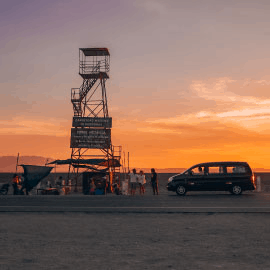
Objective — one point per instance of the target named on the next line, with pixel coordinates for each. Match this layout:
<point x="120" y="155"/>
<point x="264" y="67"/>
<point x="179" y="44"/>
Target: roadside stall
<point x="97" y="178"/>
<point x="94" y="183"/>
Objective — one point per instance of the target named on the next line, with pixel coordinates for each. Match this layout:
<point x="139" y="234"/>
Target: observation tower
<point x="92" y="149"/>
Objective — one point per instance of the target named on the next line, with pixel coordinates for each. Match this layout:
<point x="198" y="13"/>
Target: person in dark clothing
<point x="25" y="185"/>
<point x="116" y="189"/>
<point x="154" y="181"/>
<point x="15" y="181"/>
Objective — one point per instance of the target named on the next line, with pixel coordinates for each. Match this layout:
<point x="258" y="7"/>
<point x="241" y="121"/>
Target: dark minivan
<point x="234" y="177"/>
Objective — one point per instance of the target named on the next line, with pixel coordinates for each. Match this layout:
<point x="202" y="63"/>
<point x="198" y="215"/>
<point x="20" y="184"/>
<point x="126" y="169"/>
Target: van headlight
<point x="170" y="179"/>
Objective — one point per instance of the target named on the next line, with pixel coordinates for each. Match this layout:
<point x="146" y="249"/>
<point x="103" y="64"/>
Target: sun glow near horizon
<point x="230" y="129"/>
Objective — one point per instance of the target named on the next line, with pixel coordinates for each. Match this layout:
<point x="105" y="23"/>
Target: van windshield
<point x="186" y="171"/>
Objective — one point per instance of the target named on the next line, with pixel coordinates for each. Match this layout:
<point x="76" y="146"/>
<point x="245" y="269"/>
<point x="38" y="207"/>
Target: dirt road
<point x="134" y="241"/>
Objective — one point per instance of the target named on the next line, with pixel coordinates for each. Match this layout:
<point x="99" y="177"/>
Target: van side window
<point x="215" y="169"/>
<point x="197" y="171"/>
<point x="240" y="169"/>
<point x="236" y="169"/>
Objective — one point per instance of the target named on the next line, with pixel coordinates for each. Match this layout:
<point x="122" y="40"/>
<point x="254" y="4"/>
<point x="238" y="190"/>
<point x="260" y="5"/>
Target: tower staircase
<point x="78" y="94"/>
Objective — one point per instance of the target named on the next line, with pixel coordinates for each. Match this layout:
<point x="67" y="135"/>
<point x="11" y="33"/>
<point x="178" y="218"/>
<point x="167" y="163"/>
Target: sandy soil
<point x="134" y="241"/>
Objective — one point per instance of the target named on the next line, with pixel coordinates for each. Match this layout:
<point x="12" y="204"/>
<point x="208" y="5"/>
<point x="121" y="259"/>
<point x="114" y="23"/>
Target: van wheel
<point x="236" y="190"/>
<point x="181" y="190"/>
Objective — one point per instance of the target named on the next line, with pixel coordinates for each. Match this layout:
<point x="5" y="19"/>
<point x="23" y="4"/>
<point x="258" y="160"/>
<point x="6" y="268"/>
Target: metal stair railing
<point x="88" y="84"/>
<point x="75" y="99"/>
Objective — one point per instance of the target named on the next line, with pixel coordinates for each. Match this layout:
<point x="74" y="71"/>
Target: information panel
<point x="92" y="122"/>
<point x="90" y="138"/>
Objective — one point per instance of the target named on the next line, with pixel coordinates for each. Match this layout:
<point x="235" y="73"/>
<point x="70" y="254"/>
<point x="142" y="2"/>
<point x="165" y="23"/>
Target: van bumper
<point x="170" y="188"/>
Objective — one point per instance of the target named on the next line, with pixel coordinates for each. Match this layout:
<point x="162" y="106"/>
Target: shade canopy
<point x="95" y="161"/>
<point x="33" y="174"/>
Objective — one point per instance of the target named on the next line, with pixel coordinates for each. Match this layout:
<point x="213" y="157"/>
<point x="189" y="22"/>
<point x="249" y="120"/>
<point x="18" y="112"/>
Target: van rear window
<point x="236" y="169"/>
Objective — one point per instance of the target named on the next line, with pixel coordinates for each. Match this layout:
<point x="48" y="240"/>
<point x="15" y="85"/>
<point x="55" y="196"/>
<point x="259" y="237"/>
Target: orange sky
<point x="239" y="132"/>
<point x="189" y="82"/>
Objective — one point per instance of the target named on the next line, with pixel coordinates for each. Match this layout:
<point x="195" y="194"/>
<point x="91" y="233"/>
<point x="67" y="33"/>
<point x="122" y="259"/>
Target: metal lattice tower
<point x="94" y="66"/>
<point x="91" y="127"/>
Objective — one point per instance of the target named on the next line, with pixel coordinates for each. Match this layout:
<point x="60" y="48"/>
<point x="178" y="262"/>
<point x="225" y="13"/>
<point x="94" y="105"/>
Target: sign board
<point x="90" y="138"/>
<point x="92" y="122"/>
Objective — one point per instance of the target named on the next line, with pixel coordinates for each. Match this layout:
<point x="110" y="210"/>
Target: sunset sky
<point x="189" y="80"/>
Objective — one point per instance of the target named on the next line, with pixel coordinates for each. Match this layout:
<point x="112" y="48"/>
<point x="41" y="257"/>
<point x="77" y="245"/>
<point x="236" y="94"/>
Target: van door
<point x="215" y="178"/>
<point x="195" y="180"/>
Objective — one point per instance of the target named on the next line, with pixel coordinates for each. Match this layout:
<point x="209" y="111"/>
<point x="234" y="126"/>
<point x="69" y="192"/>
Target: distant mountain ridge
<point x="8" y="163"/>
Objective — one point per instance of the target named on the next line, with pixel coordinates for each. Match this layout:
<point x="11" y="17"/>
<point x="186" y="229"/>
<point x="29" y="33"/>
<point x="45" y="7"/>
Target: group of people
<point x="139" y="179"/>
<point x="20" y="184"/>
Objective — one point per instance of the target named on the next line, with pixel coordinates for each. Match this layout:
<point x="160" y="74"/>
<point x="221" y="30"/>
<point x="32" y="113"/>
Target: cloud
<point x="246" y="113"/>
<point x="214" y="89"/>
<point x="229" y="90"/>
<point x="40" y="145"/>
<point x="230" y="104"/>
<point x="29" y="126"/>
<point x="212" y="133"/>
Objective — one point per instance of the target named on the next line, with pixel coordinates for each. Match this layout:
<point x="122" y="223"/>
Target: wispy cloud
<point x="231" y="103"/>
<point x="26" y="126"/>
<point x="246" y="113"/>
<point x="227" y="89"/>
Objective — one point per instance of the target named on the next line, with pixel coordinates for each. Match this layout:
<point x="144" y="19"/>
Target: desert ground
<point x="134" y="241"/>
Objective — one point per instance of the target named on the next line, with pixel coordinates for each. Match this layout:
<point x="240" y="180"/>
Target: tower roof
<point x="95" y="51"/>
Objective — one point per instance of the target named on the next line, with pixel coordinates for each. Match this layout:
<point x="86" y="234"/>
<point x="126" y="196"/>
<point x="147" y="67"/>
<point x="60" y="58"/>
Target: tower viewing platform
<point x="94" y="63"/>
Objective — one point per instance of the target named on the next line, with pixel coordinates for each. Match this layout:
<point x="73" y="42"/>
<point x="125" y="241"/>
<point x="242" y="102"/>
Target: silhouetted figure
<point x="154" y="181"/>
<point x="59" y="182"/>
<point x="15" y="181"/>
<point x="92" y="187"/>
<point x="116" y="189"/>
<point x="25" y="185"/>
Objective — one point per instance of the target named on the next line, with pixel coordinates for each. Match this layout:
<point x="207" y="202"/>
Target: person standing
<point x="63" y="185"/>
<point x="59" y="181"/>
<point x="15" y="181"/>
<point x="142" y="182"/>
<point x="26" y="185"/>
<point x="92" y="187"/>
<point x="133" y="178"/>
<point x="154" y="181"/>
<point x="49" y="184"/>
